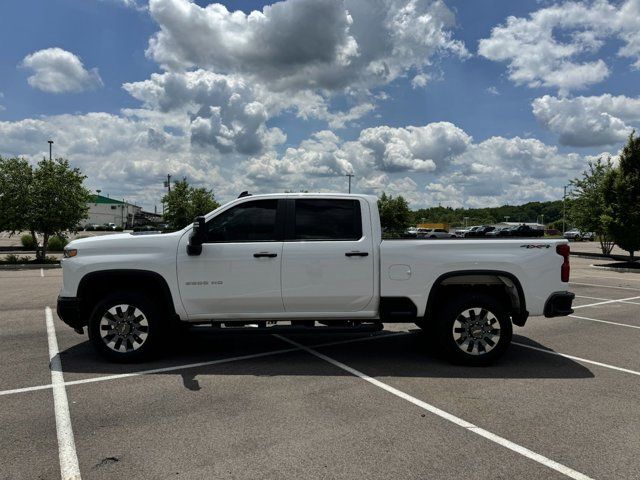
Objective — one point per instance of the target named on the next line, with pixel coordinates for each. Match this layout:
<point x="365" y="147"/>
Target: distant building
<point x="109" y="210"/>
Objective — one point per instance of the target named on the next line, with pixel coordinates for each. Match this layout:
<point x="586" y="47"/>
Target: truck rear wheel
<point x="126" y="327"/>
<point x="473" y="329"/>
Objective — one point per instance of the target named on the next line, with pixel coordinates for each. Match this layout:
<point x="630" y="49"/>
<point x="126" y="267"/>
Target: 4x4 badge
<point x="535" y="246"/>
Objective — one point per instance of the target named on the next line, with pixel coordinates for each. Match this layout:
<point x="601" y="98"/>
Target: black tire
<point x="122" y="335"/>
<point x="476" y="330"/>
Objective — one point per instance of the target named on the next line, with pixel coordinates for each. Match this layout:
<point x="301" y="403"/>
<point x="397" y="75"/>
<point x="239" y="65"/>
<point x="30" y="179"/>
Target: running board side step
<point x="289" y="329"/>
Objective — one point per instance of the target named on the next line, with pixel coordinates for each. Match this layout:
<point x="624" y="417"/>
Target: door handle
<point x="356" y="254"/>
<point x="265" y="255"/>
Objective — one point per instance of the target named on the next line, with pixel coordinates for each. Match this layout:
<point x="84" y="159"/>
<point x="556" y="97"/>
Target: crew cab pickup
<point x="307" y="263"/>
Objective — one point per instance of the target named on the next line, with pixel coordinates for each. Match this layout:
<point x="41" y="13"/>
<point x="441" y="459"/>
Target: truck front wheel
<point x="126" y="327"/>
<point x="473" y="329"/>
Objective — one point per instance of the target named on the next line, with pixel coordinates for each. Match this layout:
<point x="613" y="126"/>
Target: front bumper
<point x="68" y="310"/>
<point x="559" y="304"/>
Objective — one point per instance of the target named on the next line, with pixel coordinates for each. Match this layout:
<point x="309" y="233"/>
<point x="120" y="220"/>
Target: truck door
<point x="327" y="258"/>
<point x="238" y="271"/>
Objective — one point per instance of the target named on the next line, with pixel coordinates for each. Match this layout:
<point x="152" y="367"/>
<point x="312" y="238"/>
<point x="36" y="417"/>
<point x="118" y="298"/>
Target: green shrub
<point x="89" y="228"/>
<point x="28" y="242"/>
<point x="119" y="229"/>
<point x="57" y="244"/>
<point x="11" y="258"/>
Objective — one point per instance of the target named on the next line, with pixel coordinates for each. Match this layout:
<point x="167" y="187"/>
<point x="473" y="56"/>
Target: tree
<point x="395" y="215"/>
<point x="16" y="178"/>
<point x="587" y="206"/>
<point x="58" y="200"/>
<point x="622" y="194"/>
<point x="177" y="210"/>
<point x="183" y="203"/>
<point x="202" y="201"/>
<point x="48" y="199"/>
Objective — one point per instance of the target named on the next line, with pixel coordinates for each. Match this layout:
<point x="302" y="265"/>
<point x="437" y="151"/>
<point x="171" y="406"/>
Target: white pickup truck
<point x="307" y="263"/>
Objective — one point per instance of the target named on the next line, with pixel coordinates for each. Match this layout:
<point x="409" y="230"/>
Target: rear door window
<point x="326" y="219"/>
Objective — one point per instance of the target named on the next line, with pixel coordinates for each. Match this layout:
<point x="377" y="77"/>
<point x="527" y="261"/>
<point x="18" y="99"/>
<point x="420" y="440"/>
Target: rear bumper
<point x="68" y="310"/>
<point x="559" y="304"/>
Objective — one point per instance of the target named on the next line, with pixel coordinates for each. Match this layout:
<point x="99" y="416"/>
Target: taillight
<point x="563" y="250"/>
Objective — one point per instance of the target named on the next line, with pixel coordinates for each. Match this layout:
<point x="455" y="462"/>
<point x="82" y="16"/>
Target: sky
<point x="453" y="103"/>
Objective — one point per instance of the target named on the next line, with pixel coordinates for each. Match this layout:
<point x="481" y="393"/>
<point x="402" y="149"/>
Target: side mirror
<point x="197" y="237"/>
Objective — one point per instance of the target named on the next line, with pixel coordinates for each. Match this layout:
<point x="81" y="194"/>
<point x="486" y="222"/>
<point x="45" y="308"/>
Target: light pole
<point x="167" y="184"/>
<point x="466" y="221"/>
<point x="350" y="175"/>
<point x="564" y="208"/>
<point x="50" y="142"/>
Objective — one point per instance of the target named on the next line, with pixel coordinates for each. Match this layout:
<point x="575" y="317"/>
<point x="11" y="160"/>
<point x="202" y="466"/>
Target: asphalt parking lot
<point x="564" y="401"/>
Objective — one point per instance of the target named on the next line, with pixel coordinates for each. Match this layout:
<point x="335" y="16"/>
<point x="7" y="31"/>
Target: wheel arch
<point x="482" y="279"/>
<point x="95" y="285"/>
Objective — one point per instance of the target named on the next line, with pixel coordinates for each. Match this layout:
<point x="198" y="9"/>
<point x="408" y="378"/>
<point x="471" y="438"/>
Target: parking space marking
<point x="558" y="467"/>
<point x="605" y="286"/>
<point x="578" y="359"/>
<point x="42" y="272"/>
<point x="605" y="321"/>
<point x="69" y="467"/>
<point x="195" y="365"/>
<point x="598" y="298"/>
<point x="601" y="276"/>
<point x="605" y="302"/>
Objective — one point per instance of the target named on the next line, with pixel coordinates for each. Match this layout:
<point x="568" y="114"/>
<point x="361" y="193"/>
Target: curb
<point x="599" y="256"/>
<point x="617" y="269"/>
<point x="24" y="266"/>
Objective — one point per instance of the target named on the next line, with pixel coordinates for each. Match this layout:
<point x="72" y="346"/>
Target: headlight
<point x="70" y="252"/>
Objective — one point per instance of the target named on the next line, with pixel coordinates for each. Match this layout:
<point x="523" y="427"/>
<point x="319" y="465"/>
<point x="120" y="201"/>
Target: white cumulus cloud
<point x="314" y="44"/>
<point x="57" y="71"/>
<point x="554" y="46"/>
<point x="588" y="121"/>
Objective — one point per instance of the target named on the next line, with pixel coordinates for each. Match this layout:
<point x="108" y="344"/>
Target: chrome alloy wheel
<point x="476" y="331"/>
<point x="124" y="328"/>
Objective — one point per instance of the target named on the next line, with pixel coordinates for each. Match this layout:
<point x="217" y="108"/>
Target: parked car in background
<point x="460" y="233"/>
<point x="525" y="231"/>
<point x="499" y="232"/>
<point x="411" y="232"/>
<point x="480" y="231"/>
<point x="577" y="235"/>
<point x="434" y="233"/>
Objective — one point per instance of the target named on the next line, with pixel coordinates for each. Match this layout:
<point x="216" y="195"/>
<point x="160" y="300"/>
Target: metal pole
<point x="50" y="148"/>
<point x="564" y="208"/>
<point x="349" y="175"/>
<point x="169" y="182"/>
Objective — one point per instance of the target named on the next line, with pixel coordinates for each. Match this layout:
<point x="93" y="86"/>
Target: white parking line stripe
<point x="69" y="468"/>
<point x="605" y="321"/>
<point x="605" y="286"/>
<point x="598" y="298"/>
<point x="601" y="276"/>
<point x="42" y="272"/>
<point x="605" y="302"/>
<point x="558" y="467"/>
<point x="593" y="298"/>
<point x="578" y="359"/>
<point x="195" y="365"/>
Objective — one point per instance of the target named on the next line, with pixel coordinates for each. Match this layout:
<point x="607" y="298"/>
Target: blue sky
<point x="458" y="103"/>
